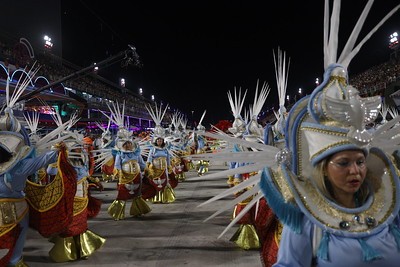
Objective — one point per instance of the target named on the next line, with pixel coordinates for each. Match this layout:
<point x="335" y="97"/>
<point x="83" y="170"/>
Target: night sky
<point x="194" y="52"/>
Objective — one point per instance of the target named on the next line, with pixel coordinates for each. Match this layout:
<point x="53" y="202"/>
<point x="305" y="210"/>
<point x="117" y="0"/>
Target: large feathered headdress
<point x="117" y="116"/>
<point x="331" y="119"/>
<point x="157" y="115"/>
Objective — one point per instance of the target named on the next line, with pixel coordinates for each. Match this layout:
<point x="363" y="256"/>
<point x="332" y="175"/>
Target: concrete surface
<point x="172" y="234"/>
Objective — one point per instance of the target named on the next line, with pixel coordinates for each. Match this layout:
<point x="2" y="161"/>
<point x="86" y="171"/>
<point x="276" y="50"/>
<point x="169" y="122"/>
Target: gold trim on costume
<point x="12" y="210"/>
<point x="160" y="163"/>
<point x="45" y="197"/>
<point x="81" y="202"/>
<point x="331" y="216"/>
<point x="130" y="170"/>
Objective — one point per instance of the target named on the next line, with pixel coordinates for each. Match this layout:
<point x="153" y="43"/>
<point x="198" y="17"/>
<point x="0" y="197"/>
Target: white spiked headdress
<point x="281" y="73"/>
<point x="157" y="115"/>
<point x="331" y="119"/>
<point x="238" y="125"/>
<point x="118" y="117"/>
<point x="13" y="138"/>
<point x="254" y="131"/>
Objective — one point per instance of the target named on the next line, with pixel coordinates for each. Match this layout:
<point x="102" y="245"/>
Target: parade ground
<point x="172" y="234"/>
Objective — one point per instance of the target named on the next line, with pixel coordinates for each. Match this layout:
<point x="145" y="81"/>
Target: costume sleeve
<point x="150" y="157"/>
<point x="168" y="157"/>
<point x="141" y="162"/>
<point x="51" y="170"/>
<point x="118" y="162"/>
<point x="31" y="165"/>
<point x="295" y="250"/>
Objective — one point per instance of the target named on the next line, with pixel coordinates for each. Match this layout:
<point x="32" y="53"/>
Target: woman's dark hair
<point x="4" y="155"/>
<point x="163" y="141"/>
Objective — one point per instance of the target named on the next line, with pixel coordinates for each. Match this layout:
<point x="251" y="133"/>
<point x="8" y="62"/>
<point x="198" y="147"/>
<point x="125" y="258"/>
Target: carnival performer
<point x="158" y="170"/>
<point x="238" y="127"/>
<point x="108" y="172"/>
<point x="334" y="185"/>
<point x="267" y="224"/>
<point x="88" y="145"/>
<point x="179" y="144"/>
<point x="339" y="173"/>
<point x="16" y="169"/>
<point x="246" y="236"/>
<point x="202" y="147"/>
<point x="129" y="164"/>
<point x="76" y="241"/>
<point x="17" y="162"/>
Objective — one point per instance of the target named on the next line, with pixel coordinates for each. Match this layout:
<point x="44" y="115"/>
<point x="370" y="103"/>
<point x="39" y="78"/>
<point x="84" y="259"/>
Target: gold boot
<point x="20" y="263"/>
<point x="89" y="242"/>
<point x="64" y="249"/>
<point x="117" y="209"/>
<point x="230" y="181"/>
<point x="246" y="237"/>
<point x="139" y="207"/>
<point x="168" y="195"/>
<point x="75" y="247"/>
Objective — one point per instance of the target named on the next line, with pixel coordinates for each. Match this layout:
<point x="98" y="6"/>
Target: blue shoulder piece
<point x="114" y="152"/>
<point x="288" y="213"/>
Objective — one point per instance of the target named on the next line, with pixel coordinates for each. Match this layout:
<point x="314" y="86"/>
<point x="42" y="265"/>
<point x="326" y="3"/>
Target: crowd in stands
<point x="376" y="79"/>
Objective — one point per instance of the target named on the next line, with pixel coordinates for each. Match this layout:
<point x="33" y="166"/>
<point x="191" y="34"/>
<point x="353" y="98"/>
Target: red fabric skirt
<point x="8" y="241"/>
<point x="247" y="218"/>
<point x="148" y="190"/>
<point x="267" y="225"/>
<point x="78" y="225"/>
<point x="108" y="169"/>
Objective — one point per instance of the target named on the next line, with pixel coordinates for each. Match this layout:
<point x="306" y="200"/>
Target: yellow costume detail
<point x="117" y="209"/>
<point x="73" y="248"/>
<point x="139" y="207"/>
<point x="11" y="213"/>
<point x="167" y="195"/>
<point x="45" y="197"/>
<point x="246" y="237"/>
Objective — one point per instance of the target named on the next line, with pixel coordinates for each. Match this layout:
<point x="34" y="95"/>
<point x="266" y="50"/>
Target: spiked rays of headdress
<point x="265" y="157"/>
<point x="9" y="122"/>
<point x="200" y="127"/>
<point x="255" y="131"/>
<point x="331" y="34"/>
<point x="116" y="114"/>
<point x="281" y="74"/>
<point x="157" y="115"/>
<point x="236" y="103"/>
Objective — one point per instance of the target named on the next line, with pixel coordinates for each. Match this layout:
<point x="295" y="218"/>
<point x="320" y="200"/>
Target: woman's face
<point x="128" y="145"/>
<point x="346" y="171"/>
<point x="159" y="141"/>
